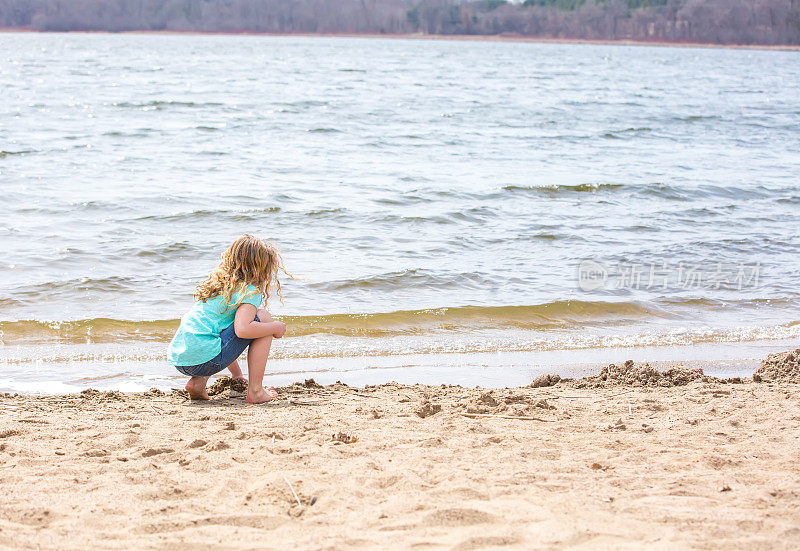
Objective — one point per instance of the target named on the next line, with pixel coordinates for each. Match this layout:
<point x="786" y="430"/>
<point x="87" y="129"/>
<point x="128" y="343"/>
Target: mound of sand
<point x="427" y="409"/>
<point x="506" y="403"/>
<point x="545" y="380"/>
<point x="92" y="394"/>
<point x="631" y="374"/>
<point x="781" y="367"/>
<point x="226" y="383"/>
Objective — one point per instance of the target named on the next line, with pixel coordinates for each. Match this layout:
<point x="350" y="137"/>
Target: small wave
<point x="733" y="192"/>
<point x="544" y="326"/>
<point x="165" y="251"/>
<point x="71" y="288"/>
<point x="556" y="189"/>
<point x="469" y="215"/>
<point x="298" y="106"/>
<point x="8" y="302"/>
<point x="693" y="214"/>
<point x="541" y="316"/>
<point x="396" y="219"/>
<point x="4" y="154"/>
<point x="460" y="319"/>
<point x="619" y="134"/>
<point x="97" y="330"/>
<point x="406" y="279"/>
<point x="202" y="214"/>
<point x="664" y="191"/>
<point x="695" y="118"/>
<point x="326" y="212"/>
<point x="142" y="133"/>
<point x="559" y="325"/>
<point x="306" y="103"/>
<point x="705" y="191"/>
<point x="410" y="197"/>
<point x="138" y="69"/>
<point x="164" y="104"/>
<point x="324" y="130"/>
<point x="99" y="206"/>
<point x="151" y="354"/>
<point x="752" y="244"/>
<point x="474" y="214"/>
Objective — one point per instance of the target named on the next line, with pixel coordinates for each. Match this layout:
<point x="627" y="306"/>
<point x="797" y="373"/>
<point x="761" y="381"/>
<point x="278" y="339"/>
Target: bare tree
<point x="713" y="21"/>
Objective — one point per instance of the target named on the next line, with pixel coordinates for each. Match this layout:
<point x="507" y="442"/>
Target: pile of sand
<point x="226" y="383"/>
<point x="545" y="380"/>
<point x="631" y="374"/>
<point x="92" y="394"/>
<point x="780" y="367"/>
<point x="427" y="409"/>
<point x="500" y="402"/>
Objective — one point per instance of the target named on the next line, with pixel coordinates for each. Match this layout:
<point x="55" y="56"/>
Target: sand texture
<point x="780" y="367"/>
<point x="704" y="465"/>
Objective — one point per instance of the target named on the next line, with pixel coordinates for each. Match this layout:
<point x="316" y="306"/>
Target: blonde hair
<point x="248" y="261"/>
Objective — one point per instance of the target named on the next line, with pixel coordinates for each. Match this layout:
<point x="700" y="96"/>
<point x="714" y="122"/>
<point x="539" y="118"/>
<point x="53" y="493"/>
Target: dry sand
<point x="586" y="464"/>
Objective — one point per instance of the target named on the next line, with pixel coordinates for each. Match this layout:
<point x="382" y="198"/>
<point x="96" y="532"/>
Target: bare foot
<point x="241" y="378"/>
<point x="196" y="387"/>
<point x="261" y="396"/>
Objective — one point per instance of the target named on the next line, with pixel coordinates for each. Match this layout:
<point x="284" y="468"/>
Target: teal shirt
<point x="197" y="340"/>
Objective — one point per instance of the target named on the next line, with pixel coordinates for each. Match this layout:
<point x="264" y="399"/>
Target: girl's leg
<point x="264" y="316"/>
<point x="256" y="365"/>
<point x="196" y="387"/>
<point x="236" y="371"/>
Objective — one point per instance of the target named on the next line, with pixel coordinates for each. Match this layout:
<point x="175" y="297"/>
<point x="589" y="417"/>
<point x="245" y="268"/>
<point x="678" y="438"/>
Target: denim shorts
<point x="232" y="348"/>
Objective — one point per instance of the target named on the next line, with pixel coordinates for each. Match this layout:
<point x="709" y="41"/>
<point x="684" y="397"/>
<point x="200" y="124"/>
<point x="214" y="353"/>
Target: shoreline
<point x="421" y="36"/>
<point x="394" y="466"/>
<point x="105" y="368"/>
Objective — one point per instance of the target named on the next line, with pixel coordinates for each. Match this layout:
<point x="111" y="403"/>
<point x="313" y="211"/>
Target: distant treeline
<point x="709" y="21"/>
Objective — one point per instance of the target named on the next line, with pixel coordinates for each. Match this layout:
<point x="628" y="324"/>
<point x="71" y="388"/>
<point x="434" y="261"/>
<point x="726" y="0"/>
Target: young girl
<point x="226" y="319"/>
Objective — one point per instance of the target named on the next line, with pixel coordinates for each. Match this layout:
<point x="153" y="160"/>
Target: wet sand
<point x="705" y="465"/>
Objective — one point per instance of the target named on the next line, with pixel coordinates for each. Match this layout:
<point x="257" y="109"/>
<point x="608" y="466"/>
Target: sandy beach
<point x="663" y="460"/>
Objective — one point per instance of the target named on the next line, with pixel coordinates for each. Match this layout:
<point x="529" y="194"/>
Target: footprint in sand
<point x="386" y="482"/>
<point x="156" y="451"/>
<point x="486" y="541"/>
<point x="95" y="453"/>
<point x="36" y="517"/>
<point x="465" y="493"/>
<point x="458" y="517"/>
<point x="248" y="521"/>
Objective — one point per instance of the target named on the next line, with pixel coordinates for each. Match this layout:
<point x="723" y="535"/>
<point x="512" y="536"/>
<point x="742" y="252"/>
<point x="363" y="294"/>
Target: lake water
<point x="454" y="211"/>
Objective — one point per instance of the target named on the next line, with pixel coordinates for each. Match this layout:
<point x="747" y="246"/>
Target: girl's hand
<point x="281" y="331"/>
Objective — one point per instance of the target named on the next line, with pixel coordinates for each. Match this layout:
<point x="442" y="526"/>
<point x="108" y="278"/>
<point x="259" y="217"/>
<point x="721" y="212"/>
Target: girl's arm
<point x="246" y="327"/>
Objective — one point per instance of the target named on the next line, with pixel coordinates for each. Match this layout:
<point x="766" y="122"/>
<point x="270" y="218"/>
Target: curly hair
<point x="248" y="261"/>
